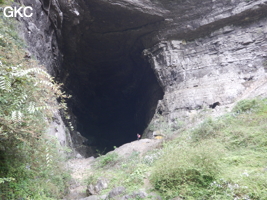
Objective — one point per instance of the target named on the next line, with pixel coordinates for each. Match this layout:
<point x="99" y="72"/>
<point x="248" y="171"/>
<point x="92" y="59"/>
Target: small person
<point x="138" y="136"/>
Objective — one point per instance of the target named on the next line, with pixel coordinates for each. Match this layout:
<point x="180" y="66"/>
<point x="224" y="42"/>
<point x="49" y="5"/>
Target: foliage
<point x="128" y="172"/>
<point x="2" y="180"/>
<point x="246" y="105"/>
<point x="30" y="164"/>
<point x="136" y="177"/>
<point x="223" y="158"/>
<point x="91" y="179"/>
<point x="152" y="157"/>
<point x="6" y="2"/>
<point x="182" y="168"/>
<point x="208" y="129"/>
<point x="108" y="159"/>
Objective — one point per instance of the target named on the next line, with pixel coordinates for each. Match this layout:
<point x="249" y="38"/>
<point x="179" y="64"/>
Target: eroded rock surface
<point x="204" y="54"/>
<point x="226" y="66"/>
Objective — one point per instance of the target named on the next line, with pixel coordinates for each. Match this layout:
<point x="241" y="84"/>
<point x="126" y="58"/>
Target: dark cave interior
<point x="115" y="91"/>
<point x="114" y="107"/>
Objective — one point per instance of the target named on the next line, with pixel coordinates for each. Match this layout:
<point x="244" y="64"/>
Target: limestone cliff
<point x="201" y="54"/>
<point x="227" y="65"/>
<point x="219" y="59"/>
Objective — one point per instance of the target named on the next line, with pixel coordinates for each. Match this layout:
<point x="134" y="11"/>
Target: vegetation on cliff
<point x="30" y="162"/>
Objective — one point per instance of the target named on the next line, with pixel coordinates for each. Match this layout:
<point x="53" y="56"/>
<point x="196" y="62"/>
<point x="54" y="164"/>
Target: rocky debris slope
<point x="81" y="168"/>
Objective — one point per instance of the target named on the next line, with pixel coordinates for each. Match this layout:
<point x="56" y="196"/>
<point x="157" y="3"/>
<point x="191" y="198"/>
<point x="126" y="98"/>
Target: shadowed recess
<point x="115" y="91"/>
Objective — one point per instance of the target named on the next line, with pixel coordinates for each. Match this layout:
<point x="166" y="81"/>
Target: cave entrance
<point x="115" y="104"/>
<point x="115" y="91"/>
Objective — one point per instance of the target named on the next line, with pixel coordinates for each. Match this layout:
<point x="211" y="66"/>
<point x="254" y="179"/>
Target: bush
<point x="208" y="129"/>
<point x="245" y="106"/>
<point x="30" y="163"/>
<point x="223" y="158"/>
<point x="108" y="159"/>
<point x="183" y="168"/>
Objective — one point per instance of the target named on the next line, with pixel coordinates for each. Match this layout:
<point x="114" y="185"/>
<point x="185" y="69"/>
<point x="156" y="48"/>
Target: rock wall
<point x="58" y="129"/>
<point x="210" y="72"/>
<point x="42" y="36"/>
<point x="206" y="54"/>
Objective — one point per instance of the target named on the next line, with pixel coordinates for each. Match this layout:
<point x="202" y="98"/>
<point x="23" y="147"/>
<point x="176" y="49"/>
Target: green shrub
<point x="136" y="177"/>
<point x="30" y="163"/>
<point x="235" y="142"/>
<point x="91" y="179"/>
<point x="245" y="105"/>
<point x="183" y="168"/>
<point x="208" y="129"/>
<point x="222" y="158"/>
<point x="108" y="159"/>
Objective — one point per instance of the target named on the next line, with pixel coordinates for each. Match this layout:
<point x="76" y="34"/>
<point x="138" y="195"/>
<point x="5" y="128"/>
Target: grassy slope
<point x="223" y="158"/>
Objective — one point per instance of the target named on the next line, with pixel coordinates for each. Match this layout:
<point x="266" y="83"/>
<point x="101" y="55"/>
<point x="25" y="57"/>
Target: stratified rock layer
<point x="203" y="53"/>
<point x="227" y="65"/>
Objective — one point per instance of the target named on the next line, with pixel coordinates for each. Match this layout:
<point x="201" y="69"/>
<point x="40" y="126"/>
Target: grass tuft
<point x="223" y="158"/>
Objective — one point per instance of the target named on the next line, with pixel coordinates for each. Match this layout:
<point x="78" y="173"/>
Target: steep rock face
<point x="41" y="35"/>
<point x="201" y="52"/>
<point x="221" y="68"/>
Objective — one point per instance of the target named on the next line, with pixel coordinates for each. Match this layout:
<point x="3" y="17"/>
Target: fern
<point x="16" y="115"/>
<point x="15" y="80"/>
<point x="32" y="108"/>
<point x="22" y="72"/>
<point x="5" y="82"/>
<point x="27" y="104"/>
<point x="2" y="180"/>
<point x="22" y="99"/>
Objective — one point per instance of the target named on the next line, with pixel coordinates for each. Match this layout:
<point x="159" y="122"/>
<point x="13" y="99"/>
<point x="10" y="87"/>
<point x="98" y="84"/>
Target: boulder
<point x="135" y="195"/>
<point x="115" y="192"/>
<point x="95" y="189"/>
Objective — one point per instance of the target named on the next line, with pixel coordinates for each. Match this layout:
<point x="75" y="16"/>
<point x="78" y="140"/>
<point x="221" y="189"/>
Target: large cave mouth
<point x="115" y="91"/>
<point x="115" y="104"/>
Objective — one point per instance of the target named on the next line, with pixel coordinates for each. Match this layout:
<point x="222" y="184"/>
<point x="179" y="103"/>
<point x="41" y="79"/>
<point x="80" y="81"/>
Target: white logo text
<point x="14" y="12"/>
